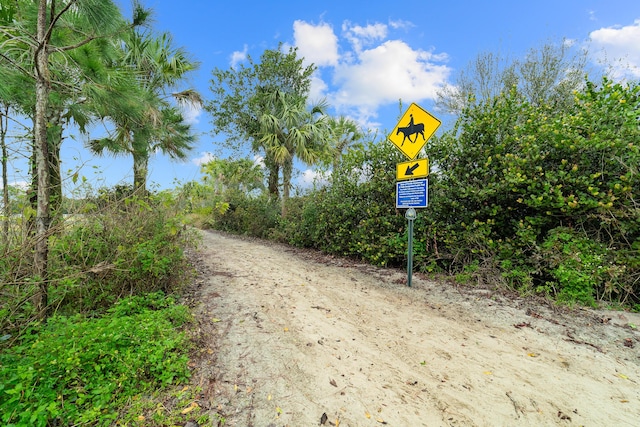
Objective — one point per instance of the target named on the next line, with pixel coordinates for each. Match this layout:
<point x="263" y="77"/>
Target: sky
<point x="369" y="54"/>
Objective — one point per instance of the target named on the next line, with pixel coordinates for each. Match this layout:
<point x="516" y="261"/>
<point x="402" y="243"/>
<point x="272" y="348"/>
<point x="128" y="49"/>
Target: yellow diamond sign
<point x="413" y="130"/>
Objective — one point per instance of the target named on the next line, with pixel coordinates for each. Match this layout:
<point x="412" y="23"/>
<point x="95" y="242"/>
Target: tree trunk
<point x="30" y="225"/>
<point x="140" y="169"/>
<point x="273" y="170"/>
<point x="287" y="171"/>
<point x="41" y="252"/>
<point x="273" y="178"/>
<point x="4" y="117"/>
<point x="32" y="191"/>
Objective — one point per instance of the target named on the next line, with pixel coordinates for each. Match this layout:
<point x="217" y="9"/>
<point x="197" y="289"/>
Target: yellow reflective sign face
<point x="414" y="129"/>
<point x="418" y="168"/>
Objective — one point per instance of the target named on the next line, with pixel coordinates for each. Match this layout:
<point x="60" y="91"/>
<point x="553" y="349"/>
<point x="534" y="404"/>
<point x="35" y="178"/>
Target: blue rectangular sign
<point x="412" y="194"/>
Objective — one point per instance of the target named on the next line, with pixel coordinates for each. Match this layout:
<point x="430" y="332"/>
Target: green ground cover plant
<point x="75" y="370"/>
<point x="113" y="344"/>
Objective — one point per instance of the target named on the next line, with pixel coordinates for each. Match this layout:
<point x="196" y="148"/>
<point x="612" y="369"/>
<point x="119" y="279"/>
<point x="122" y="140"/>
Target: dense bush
<point x="247" y="214"/>
<point x="546" y="193"/>
<point x="114" y="247"/>
<point x="535" y="197"/>
<point x="129" y="247"/>
<point x="82" y="371"/>
<point x="355" y="215"/>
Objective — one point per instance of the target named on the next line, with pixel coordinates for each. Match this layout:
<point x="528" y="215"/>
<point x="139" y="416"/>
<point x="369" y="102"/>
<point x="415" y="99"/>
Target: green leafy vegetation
<point x="546" y="194"/>
<point x="112" y="248"/>
<point x="93" y="65"/>
<point x="115" y="342"/>
<point x="535" y="188"/>
<point x="83" y="370"/>
<point x="540" y="197"/>
<point x="114" y="346"/>
<point x="87" y="312"/>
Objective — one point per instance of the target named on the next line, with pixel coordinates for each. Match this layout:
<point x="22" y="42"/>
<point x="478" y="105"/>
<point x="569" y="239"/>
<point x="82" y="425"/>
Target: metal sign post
<point x="411" y="133"/>
<point x="411" y="216"/>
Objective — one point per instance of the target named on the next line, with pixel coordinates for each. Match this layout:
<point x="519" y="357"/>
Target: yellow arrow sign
<point x="413" y="130"/>
<point x="418" y="168"/>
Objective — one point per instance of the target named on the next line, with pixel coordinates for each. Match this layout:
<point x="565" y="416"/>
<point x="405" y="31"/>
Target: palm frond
<point x="103" y="146"/>
<point x="189" y="97"/>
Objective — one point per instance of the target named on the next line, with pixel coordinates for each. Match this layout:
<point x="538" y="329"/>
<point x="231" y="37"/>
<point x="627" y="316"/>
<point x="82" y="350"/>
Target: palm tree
<point x="38" y="40"/>
<point x="240" y="175"/>
<point x="291" y="130"/>
<point x="344" y="133"/>
<point x="80" y="73"/>
<point x="241" y="97"/>
<point x="58" y="31"/>
<point x="157" y="66"/>
<point x="167" y="133"/>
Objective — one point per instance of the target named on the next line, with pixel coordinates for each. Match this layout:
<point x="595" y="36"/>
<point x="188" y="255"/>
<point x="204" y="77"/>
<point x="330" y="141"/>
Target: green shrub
<point x="504" y="180"/>
<point x="300" y="227"/>
<point x="510" y="173"/>
<point x="81" y="371"/>
<point x="356" y="215"/>
<point x="128" y="247"/>
<point x="247" y="214"/>
<point x="578" y="264"/>
<point x="112" y="248"/>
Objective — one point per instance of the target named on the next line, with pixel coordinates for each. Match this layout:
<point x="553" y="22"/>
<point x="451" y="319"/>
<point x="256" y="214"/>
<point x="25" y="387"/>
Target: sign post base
<point x="411" y="216"/>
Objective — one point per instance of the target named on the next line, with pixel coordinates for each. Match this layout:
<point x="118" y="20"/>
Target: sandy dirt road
<point x="296" y="338"/>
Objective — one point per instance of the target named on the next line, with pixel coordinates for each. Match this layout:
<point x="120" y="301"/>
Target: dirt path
<point x="290" y="335"/>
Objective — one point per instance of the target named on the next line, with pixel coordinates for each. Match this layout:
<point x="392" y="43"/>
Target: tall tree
<point x="159" y="66"/>
<point x="47" y="32"/>
<point x="242" y="97"/>
<point x="91" y="78"/>
<point x="4" y="123"/>
<point x="101" y="15"/>
<point x="292" y="130"/>
<point x="545" y="75"/>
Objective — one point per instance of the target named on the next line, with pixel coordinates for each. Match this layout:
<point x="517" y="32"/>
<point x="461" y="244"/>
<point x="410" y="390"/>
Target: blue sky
<point x="369" y="54"/>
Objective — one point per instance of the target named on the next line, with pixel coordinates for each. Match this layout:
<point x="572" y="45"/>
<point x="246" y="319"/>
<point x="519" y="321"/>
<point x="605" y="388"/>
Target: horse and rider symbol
<point x="416" y="122"/>
<point x="411" y="129"/>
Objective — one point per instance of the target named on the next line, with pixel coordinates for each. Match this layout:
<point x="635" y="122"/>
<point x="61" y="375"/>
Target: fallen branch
<point x="515" y="405"/>
<point x="576" y="341"/>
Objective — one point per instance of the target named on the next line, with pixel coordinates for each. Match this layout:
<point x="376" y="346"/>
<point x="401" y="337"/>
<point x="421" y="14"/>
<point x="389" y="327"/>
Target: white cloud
<point x="20" y="185"/>
<point x="401" y="24"/>
<point x="205" y="157"/>
<point x="258" y="161"/>
<point x="316" y="43"/>
<point x="190" y="113"/>
<point x="311" y="178"/>
<point x="388" y="72"/>
<point x="360" y="36"/>
<point x="618" y="47"/>
<point x="237" y="56"/>
<point x="318" y="89"/>
<point x="372" y="72"/>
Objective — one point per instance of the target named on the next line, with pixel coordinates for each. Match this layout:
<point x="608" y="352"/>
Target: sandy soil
<point x="296" y="338"/>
